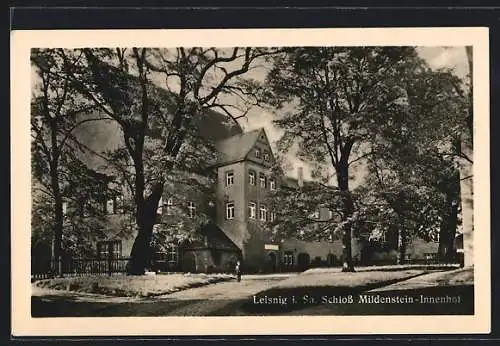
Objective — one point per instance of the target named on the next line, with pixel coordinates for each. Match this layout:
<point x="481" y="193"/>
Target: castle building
<point x="235" y="205"/>
<point x="240" y="210"/>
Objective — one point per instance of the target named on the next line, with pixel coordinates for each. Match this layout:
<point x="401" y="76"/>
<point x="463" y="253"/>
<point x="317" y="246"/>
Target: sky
<point x="436" y="57"/>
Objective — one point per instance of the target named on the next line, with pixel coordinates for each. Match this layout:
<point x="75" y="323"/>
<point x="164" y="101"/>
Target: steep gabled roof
<point x="236" y="148"/>
<point x="106" y="135"/>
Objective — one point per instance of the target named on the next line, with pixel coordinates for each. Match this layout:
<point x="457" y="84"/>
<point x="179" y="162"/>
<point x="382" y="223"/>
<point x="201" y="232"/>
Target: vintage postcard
<point x="246" y="182"/>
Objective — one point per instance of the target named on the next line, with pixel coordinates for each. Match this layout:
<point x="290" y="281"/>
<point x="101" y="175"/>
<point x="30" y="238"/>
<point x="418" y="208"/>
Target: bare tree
<point x="54" y="117"/>
<point x="120" y="82"/>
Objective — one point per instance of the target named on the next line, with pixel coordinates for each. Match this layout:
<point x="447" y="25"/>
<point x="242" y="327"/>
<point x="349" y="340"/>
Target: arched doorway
<point x="303" y="260"/>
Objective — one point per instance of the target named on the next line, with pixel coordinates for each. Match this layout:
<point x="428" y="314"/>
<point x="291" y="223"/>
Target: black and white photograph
<point x="204" y="180"/>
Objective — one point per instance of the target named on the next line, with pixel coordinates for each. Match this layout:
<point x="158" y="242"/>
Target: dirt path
<point x="206" y="300"/>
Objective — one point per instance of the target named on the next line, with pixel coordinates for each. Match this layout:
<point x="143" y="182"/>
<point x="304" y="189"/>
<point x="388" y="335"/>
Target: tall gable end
<point x="261" y="151"/>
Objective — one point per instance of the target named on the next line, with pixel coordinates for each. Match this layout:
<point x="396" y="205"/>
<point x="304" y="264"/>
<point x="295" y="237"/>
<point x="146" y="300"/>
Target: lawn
<point x="459" y="277"/>
<point x="133" y="286"/>
<point x="392" y="267"/>
<point x="463" y="276"/>
<point x="339" y="279"/>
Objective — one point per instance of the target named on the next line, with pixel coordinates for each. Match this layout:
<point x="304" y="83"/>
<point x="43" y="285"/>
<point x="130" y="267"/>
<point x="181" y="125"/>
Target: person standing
<point x="237" y="270"/>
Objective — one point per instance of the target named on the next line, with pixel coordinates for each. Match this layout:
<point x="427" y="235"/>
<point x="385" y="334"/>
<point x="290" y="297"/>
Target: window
<point x="119" y="205"/>
<point x="229" y="178"/>
<point x="171" y="254"/>
<point x="65" y="208"/>
<point x="257" y="153"/>
<point x="103" y="248"/>
<point x="288" y="259"/>
<point x="252" y="210"/>
<point x="272" y="184"/>
<point x="191" y="209"/>
<point x="170" y="206"/>
<point x="272" y="216"/>
<point x="86" y="209"/>
<point x="110" y="206"/>
<point x="251" y="177"/>
<point x="117" y="249"/>
<point x="315" y="214"/>
<point x="263" y="213"/>
<point x="230" y="210"/>
<point x="102" y="207"/>
<point x="160" y="206"/>
<point x="262" y="181"/>
<point x="266" y="156"/>
<point x="330" y="214"/>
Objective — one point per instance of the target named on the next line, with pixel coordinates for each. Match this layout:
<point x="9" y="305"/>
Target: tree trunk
<point x="58" y="225"/>
<point x="348" y="206"/>
<point x="401" y="246"/>
<point x="449" y="223"/>
<point x="141" y="255"/>
<point x="347" y="263"/>
<point x="447" y="233"/>
<point x="58" y="202"/>
<point x="443" y="244"/>
<point x="451" y="253"/>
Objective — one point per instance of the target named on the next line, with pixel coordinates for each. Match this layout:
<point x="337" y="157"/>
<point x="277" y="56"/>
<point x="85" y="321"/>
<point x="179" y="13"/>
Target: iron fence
<point x="78" y="267"/>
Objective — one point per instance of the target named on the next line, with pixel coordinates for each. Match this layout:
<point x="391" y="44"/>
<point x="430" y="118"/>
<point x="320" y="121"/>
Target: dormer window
<point x="257" y="153"/>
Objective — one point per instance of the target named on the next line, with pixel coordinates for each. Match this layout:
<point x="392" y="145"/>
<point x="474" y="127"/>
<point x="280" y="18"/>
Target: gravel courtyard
<point x="258" y="295"/>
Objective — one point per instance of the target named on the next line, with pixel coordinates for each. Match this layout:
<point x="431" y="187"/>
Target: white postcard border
<point x="24" y="325"/>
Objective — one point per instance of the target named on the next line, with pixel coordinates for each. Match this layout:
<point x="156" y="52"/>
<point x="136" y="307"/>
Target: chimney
<point x="300" y="176"/>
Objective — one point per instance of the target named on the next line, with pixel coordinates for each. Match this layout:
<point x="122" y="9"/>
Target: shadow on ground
<point x="63" y="306"/>
<point x="314" y="301"/>
<point x="439" y="300"/>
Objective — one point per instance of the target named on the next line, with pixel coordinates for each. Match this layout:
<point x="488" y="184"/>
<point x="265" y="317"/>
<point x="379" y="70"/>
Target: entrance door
<point x="272" y="260"/>
<point x="189" y="262"/>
